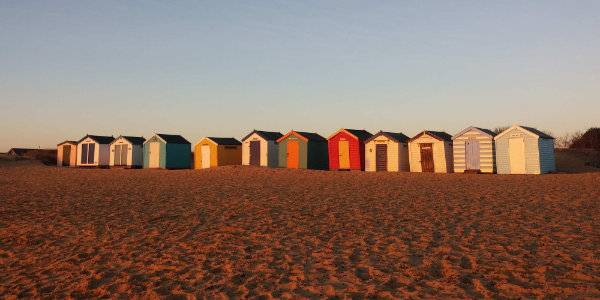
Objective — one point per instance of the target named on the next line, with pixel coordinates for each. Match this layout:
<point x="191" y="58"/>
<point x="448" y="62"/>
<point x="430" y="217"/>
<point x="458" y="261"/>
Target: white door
<point x="154" y="155"/>
<point x="205" y="156"/>
<point x="516" y="152"/>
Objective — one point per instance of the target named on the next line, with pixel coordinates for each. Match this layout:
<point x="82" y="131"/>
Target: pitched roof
<point x="537" y="132"/>
<point x="394" y="136"/>
<point x="311" y="136"/>
<point x="361" y="134"/>
<point x="100" y="139"/>
<point x="173" y="138"/>
<point x="529" y="130"/>
<point x="136" y="140"/>
<point x="485" y="131"/>
<point x="440" y="135"/>
<point x="67" y="142"/>
<point x="358" y="133"/>
<point x="224" y="141"/>
<point x="267" y="135"/>
<point x="20" y="151"/>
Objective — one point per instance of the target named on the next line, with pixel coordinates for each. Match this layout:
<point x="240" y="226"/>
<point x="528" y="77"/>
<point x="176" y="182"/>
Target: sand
<point x="238" y="232"/>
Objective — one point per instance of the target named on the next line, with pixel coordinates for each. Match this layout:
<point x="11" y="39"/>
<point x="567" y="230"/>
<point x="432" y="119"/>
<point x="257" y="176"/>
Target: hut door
<point x="516" y="150"/>
<point x="292" y="154"/>
<point x="255" y="153"/>
<point x="205" y="156"/>
<point x="427" y="158"/>
<point x="66" y="157"/>
<point x="124" y="154"/>
<point x="472" y="154"/>
<point x="84" y="152"/>
<point x="381" y="157"/>
<point x="87" y="153"/>
<point x="344" y="154"/>
<point x="154" y="155"/>
<point x="117" y="155"/>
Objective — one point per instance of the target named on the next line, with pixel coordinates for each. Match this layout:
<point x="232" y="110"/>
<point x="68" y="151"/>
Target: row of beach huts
<point x="517" y="150"/>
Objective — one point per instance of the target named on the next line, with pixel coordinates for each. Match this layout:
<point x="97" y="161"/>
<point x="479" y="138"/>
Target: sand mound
<point x="275" y="233"/>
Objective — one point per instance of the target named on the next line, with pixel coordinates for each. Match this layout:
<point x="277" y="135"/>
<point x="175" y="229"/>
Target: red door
<point x="292" y="154"/>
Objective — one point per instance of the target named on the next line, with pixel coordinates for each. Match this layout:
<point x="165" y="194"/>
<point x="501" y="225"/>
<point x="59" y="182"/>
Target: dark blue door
<point x="84" y="152"/>
<point x="91" y="153"/>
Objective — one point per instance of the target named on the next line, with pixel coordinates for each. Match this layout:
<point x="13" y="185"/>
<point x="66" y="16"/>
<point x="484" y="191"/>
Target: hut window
<point x="230" y="147"/>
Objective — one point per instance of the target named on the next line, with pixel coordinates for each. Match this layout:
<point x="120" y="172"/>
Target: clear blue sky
<point x="223" y="68"/>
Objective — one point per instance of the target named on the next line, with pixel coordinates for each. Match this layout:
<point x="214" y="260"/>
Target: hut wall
<point x="317" y="155"/>
<point x="272" y="154"/>
<point x="547" y="162"/>
<point x="162" y="161"/>
<point x="230" y="155"/>
<point x="486" y="151"/>
<point x="178" y="156"/>
<point x="532" y="160"/>
<point x="393" y="155"/>
<point x="198" y="154"/>
<point x="356" y="151"/>
<point x="269" y="155"/>
<point x="302" y="151"/>
<point x="442" y="156"/>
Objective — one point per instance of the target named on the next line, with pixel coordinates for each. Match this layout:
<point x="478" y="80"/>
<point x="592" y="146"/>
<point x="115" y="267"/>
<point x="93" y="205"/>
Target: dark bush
<point x="589" y="140"/>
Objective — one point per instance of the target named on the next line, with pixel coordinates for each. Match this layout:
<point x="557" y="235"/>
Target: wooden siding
<point x="442" y="154"/>
<point x="302" y="152"/>
<point x="317" y="155"/>
<point x="547" y="162"/>
<point x="486" y="151"/>
<point x="357" y="151"/>
<point x="269" y="151"/>
<point x="397" y="155"/>
<point x="101" y="154"/>
<point x="532" y="158"/>
<point x="135" y="154"/>
<point x="72" y="157"/>
<point x="198" y="154"/>
<point x="228" y="155"/>
<point x="162" y="160"/>
<point x="179" y="156"/>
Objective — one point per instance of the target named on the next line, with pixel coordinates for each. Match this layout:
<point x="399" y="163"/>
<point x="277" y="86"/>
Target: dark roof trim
<point x="397" y="137"/>
<point x="267" y="135"/>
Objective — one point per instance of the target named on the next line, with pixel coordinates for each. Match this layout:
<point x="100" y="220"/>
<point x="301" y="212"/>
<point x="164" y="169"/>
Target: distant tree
<point x="588" y="140"/>
<point x="499" y="130"/>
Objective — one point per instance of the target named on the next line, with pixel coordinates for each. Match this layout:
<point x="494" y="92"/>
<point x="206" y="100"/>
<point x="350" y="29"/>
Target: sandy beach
<point x="239" y="232"/>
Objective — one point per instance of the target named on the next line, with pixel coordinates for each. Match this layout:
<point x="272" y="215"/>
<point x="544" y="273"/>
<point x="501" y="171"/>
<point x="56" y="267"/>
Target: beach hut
<point x="303" y="150"/>
<point x="127" y="151"/>
<point x="94" y="151"/>
<point x="214" y="152"/>
<point x="430" y="151"/>
<point x="259" y="148"/>
<point x="473" y="150"/>
<point x="66" y="155"/>
<point x="347" y="149"/>
<point x="387" y="151"/>
<point x="167" y="151"/>
<point x="524" y="150"/>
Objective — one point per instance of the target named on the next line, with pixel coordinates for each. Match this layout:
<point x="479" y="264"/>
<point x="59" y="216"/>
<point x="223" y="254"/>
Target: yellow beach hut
<point x="214" y="152"/>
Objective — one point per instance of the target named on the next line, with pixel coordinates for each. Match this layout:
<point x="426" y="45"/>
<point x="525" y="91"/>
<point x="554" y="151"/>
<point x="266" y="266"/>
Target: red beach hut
<point x="347" y="149"/>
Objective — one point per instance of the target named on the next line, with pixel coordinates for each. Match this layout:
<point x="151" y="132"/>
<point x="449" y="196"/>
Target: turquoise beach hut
<point x="167" y="151"/>
<point x="524" y="150"/>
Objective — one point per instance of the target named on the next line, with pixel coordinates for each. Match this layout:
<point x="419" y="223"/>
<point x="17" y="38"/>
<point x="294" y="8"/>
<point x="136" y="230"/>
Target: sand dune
<point x="273" y="233"/>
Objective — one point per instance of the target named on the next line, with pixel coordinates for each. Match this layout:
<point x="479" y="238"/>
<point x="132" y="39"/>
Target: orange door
<point x="292" y="154"/>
